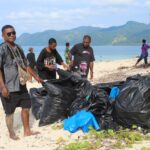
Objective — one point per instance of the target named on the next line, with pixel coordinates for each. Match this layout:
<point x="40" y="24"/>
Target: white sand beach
<point x="50" y="139"/>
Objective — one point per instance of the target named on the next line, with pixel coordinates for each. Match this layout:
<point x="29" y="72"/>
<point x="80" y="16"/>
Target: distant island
<point x="130" y="33"/>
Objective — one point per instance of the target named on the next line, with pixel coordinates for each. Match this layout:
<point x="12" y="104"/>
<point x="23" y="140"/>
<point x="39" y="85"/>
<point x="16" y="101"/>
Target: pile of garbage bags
<point x="66" y="96"/>
<point x="51" y="103"/>
<point x="124" y="103"/>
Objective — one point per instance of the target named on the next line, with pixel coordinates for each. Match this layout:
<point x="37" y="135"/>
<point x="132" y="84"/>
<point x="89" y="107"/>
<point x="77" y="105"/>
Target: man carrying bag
<point x="13" y="77"/>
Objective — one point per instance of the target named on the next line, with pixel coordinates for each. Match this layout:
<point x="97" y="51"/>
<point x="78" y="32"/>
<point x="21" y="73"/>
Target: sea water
<point x="102" y="53"/>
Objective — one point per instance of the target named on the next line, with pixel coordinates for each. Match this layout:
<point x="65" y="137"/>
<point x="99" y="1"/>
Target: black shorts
<point x="16" y="99"/>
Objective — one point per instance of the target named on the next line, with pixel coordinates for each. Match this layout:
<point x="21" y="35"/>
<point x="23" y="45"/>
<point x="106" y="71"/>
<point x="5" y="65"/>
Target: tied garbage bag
<point x="81" y="120"/>
<point x="67" y="74"/>
<point x="38" y="97"/>
<point x="108" y="86"/>
<point x="132" y="106"/>
<point x="97" y="103"/>
<point x="57" y="106"/>
<point x="64" y="74"/>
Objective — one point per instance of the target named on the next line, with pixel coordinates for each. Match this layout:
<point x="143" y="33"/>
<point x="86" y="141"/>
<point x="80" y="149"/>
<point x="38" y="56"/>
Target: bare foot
<point x="31" y="133"/>
<point x="14" y="137"/>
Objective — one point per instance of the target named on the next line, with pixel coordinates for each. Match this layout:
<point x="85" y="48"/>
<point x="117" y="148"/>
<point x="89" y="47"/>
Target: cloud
<point x="108" y="3"/>
<point x="33" y="21"/>
<point x="55" y="14"/>
<point x="36" y="15"/>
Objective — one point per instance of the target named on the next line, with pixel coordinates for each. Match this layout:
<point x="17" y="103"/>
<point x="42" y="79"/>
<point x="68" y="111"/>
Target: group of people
<point x="80" y="59"/>
<point x="12" y="59"/>
<point x="49" y="58"/>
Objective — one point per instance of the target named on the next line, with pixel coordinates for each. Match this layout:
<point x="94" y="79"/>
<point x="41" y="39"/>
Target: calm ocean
<point x="102" y="53"/>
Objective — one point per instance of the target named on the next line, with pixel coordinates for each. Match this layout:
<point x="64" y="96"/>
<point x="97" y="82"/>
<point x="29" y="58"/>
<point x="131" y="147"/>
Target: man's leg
<point x="138" y="60"/>
<point x="25" y="121"/>
<point x="145" y="62"/>
<point x="9" y="123"/>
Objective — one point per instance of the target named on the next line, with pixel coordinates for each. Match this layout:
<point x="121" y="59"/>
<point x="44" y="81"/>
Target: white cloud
<point x="108" y="3"/>
<point x="55" y="14"/>
<point x="36" y="15"/>
<point x="43" y="20"/>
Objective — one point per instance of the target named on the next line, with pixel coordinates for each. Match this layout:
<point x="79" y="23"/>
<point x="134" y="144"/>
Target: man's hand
<point x="5" y="92"/>
<point x="38" y="79"/>
<point x="66" y="67"/>
<point x="50" y="67"/>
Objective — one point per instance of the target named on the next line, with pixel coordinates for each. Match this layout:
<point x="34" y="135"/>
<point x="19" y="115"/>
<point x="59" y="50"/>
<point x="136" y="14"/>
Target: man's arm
<point x="40" y="60"/>
<point x="92" y="64"/>
<point x="91" y="70"/>
<point x="59" y="60"/>
<point x="3" y="88"/>
<point x="32" y="73"/>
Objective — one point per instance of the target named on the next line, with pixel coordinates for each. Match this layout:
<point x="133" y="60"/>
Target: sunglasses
<point x="11" y="33"/>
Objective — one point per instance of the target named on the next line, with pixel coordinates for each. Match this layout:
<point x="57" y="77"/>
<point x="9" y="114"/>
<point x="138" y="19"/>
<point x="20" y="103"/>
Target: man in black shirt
<point x="48" y="60"/>
<point x="31" y="59"/>
<point x="83" y="57"/>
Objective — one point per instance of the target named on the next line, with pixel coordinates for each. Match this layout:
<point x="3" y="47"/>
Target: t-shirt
<point x="82" y="57"/>
<point x="144" y="49"/>
<point x="48" y="58"/>
<point x="31" y="59"/>
<point x="9" y="68"/>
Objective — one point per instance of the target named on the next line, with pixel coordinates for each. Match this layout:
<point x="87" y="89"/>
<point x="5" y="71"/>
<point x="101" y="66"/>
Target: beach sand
<point x="50" y="139"/>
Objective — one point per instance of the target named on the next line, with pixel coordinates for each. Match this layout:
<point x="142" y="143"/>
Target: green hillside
<point x="129" y="34"/>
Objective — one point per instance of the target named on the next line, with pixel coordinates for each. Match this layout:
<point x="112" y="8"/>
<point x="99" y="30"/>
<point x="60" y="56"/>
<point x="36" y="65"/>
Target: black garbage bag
<point x="83" y="88"/>
<point x="132" y="106"/>
<point x="97" y="103"/>
<point x="67" y="74"/>
<point x="108" y="86"/>
<point x="57" y="107"/>
<point x="106" y="121"/>
<point x="38" y="97"/>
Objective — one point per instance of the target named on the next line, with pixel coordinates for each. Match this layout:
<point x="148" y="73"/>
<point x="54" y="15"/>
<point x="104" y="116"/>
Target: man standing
<point x="67" y="50"/>
<point x="13" y="94"/>
<point x="83" y="57"/>
<point x="144" y="53"/>
<point x="47" y="61"/>
<point x="31" y="59"/>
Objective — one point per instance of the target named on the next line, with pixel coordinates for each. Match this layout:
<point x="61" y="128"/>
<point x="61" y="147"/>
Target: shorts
<point x="143" y="56"/>
<point x="16" y="99"/>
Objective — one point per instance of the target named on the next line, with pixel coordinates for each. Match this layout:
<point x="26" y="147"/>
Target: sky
<point x="30" y="16"/>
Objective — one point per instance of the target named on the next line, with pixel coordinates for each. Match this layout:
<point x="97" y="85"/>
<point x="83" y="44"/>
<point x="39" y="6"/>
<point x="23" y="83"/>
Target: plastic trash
<point x="114" y="93"/>
<point x="57" y="106"/>
<point x="132" y="106"/>
<point x="81" y="120"/>
<point x="96" y="102"/>
<point x="38" y="97"/>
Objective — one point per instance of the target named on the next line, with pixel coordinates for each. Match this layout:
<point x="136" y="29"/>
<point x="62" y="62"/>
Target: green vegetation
<point x="85" y="145"/>
<point x="109" y="139"/>
<point x="145" y="148"/>
<point x="129" y="34"/>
